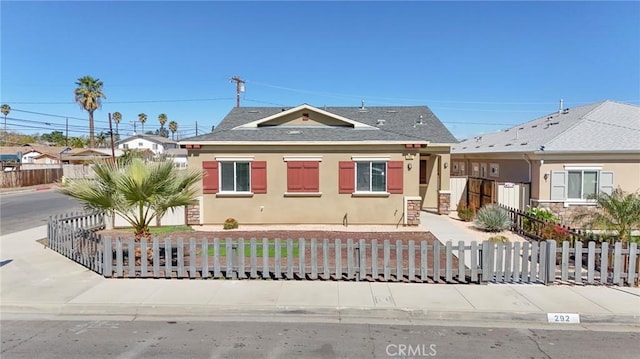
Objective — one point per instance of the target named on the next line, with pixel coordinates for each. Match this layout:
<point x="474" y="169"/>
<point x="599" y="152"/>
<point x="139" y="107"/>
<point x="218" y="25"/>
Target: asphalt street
<point x="24" y="210"/>
<point x="177" y="339"/>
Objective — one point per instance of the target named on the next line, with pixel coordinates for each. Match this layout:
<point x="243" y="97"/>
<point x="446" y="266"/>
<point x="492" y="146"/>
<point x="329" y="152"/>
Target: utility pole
<point x="66" y="135"/>
<point x="113" y="151"/>
<point x="196" y="128"/>
<point x="239" y="88"/>
<point x="134" y="127"/>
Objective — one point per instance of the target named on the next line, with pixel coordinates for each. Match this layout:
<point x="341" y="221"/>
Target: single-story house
<point x="565" y="156"/>
<point x="87" y="155"/>
<point x="35" y="153"/>
<point x="156" y="144"/>
<point x="325" y="165"/>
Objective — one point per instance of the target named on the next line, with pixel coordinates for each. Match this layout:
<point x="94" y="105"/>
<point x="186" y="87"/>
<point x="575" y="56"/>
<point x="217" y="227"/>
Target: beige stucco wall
<point x="331" y="207"/>
<point x="509" y="170"/>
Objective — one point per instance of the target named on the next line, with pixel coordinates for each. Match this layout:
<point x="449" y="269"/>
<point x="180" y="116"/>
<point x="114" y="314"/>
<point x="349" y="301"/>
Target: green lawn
<point x="259" y="251"/>
<point x="163" y="229"/>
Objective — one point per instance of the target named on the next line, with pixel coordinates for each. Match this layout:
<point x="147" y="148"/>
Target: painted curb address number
<point x="563" y="318"/>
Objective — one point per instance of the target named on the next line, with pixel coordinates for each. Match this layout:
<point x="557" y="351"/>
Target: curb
<point x="309" y="314"/>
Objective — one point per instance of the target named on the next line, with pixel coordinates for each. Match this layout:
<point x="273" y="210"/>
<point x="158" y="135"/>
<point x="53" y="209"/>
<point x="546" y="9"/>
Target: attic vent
<point x="521" y="128"/>
<point x="550" y="117"/>
<point x="491" y="145"/>
<point x="534" y="126"/>
<point x="379" y="122"/>
<point x="254" y="111"/>
<point x="419" y="121"/>
<point x="523" y="143"/>
<point x="305" y="117"/>
<point x="294" y="132"/>
<point x="565" y="111"/>
<point x="477" y="146"/>
<point x="508" y="144"/>
<point x="554" y="123"/>
<point x="507" y="130"/>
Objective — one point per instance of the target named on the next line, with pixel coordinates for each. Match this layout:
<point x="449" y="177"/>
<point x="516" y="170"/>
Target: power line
<point x="122" y="102"/>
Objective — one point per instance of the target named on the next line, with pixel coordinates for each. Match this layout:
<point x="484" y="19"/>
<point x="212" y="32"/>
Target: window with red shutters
<point x="303" y="176"/>
<point x="346" y="177"/>
<point x="210" y="178"/>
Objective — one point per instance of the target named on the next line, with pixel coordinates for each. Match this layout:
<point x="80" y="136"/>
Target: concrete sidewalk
<point x="36" y="281"/>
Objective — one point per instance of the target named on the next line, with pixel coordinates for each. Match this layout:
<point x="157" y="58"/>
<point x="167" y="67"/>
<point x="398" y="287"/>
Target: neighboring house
<point x="566" y="155"/>
<point x="178" y="156"/>
<point x="35" y="153"/>
<point x="88" y="155"/>
<point x="349" y="165"/>
<point x="156" y="144"/>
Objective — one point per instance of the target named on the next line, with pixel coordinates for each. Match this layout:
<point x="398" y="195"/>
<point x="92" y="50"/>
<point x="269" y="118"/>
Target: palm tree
<point x="162" y="118"/>
<point x="173" y="126"/>
<point x="5" y="109"/>
<point x="89" y="96"/>
<point x="101" y="139"/>
<point x="618" y="212"/>
<point x="142" y="117"/>
<point x="135" y="190"/>
<point x="117" y="117"/>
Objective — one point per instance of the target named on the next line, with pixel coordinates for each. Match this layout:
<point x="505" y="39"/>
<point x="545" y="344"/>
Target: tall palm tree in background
<point x="89" y="95"/>
<point x="173" y="126"/>
<point x="135" y="190"/>
<point x="5" y="111"/>
<point x="117" y="117"/>
<point x="142" y="117"/>
<point x="162" y="118"/>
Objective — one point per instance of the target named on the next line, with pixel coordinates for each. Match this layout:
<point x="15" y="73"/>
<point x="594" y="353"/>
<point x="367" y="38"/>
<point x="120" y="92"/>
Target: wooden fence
<point x="11" y="179"/>
<point x="73" y="235"/>
<point x="323" y="259"/>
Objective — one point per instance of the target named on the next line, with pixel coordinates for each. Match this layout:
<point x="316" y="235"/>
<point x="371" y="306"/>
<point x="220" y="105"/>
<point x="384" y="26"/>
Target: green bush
<point x="466" y="213"/>
<point x="541" y="213"/>
<point x="492" y="218"/>
<point x="230" y="223"/>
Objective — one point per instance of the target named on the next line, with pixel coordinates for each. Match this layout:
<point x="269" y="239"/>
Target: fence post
<point x="551" y="262"/>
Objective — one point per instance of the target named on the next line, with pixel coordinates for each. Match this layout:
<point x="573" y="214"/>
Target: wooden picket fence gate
<point x="74" y="236"/>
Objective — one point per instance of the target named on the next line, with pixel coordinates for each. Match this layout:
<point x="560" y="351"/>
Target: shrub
<point x="541" y="213"/>
<point x="555" y="231"/>
<point x="492" y="218"/>
<point x="466" y="213"/>
<point x="499" y="239"/>
<point x="230" y="223"/>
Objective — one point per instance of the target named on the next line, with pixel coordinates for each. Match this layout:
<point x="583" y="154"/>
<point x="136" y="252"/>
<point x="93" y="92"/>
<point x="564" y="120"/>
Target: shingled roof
<point x="605" y="126"/>
<point x="397" y="123"/>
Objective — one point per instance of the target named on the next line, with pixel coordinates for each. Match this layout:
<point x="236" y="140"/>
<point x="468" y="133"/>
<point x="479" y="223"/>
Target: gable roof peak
<point x="304" y="106"/>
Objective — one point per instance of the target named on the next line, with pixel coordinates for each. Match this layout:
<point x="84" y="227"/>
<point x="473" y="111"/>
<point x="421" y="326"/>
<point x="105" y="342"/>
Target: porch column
<point x="444" y="192"/>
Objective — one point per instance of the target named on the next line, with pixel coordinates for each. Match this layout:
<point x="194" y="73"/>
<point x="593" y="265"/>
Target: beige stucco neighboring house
<point x="566" y="155"/>
<point x="333" y="165"/>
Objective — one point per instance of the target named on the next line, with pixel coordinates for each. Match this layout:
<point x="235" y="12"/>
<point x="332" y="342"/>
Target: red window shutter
<point x="311" y="173"/>
<point x="395" y="171"/>
<point x="346" y="177"/>
<point x="259" y="176"/>
<point x="210" y="179"/>
<point x="294" y="176"/>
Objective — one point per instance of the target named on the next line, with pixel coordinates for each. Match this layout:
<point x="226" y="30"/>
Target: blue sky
<point x="480" y="66"/>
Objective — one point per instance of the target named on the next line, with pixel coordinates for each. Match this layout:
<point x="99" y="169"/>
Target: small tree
<point x="137" y="191"/>
<point x="617" y="213"/>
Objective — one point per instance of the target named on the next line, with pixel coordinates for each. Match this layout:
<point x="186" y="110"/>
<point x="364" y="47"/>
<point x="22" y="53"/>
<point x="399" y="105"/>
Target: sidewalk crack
<point x="535" y="341"/>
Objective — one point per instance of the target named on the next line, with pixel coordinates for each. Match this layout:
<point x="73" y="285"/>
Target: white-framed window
<point x="371" y="176"/>
<point x="235" y="176"/>
<point x="140" y="144"/>
<point x="494" y="170"/>
<point x="581" y="184"/>
<point x="578" y="184"/>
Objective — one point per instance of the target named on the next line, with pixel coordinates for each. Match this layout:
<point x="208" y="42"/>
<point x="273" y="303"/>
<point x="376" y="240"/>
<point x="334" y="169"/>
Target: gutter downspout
<point x="526" y="158"/>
